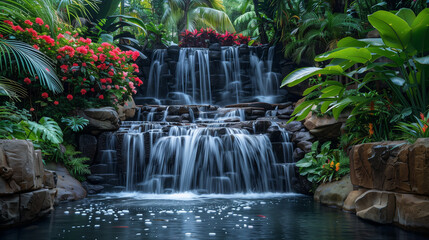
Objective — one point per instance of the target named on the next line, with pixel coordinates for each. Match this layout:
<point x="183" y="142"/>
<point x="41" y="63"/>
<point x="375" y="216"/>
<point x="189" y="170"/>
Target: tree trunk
<point x="262" y="33"/>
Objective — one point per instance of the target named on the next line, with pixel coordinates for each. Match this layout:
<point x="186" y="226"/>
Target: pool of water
<point x="190" y="216"/>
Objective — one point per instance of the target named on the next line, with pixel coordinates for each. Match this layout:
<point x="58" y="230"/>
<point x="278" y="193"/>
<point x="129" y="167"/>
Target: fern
<point x="47" y="129"/>
<point x="76" y="165"/>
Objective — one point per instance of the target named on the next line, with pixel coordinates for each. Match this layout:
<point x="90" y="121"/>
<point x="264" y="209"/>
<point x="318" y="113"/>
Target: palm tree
<point x="193" y="14"/>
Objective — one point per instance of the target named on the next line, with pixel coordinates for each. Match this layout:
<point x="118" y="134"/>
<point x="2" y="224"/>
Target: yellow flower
<point x="337" y="167"/>
<point x="332" y="164"/>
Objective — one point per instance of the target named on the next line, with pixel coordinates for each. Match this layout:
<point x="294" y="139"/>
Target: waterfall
<point x="265" y="82"/>
<point x="193" y="75"/>
<point x="153" y="83"/>
<point x="231" y="68"/>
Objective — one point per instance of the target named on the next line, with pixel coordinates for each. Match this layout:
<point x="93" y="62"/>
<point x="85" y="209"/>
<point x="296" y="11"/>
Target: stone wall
<point x="27" y="190"/>
<point x="390" y="182"/>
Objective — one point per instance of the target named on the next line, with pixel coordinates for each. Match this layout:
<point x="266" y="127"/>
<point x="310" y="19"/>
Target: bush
<point x="324" y="164"/>
<point x="204" y="37"/>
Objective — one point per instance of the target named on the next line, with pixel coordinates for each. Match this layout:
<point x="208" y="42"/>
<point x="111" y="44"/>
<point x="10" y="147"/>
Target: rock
<point x="106" y="118"/>
<point x="286" y="111"/>
<point x="376" y="206"/>
<point x="21" y="167"/>
<point x="294" y="126"/>
<point x="418" y="166"/>
<point x="298" y="154"/>
<point x="50" y="179"/>
<point x="9" y="210"/>
<point x="34" y="205"/>
<point x="305" y="146"/>
<point x="265" y="106"/>
<point x="69" y="189"/>
<point x="127" y="111"/>
<point x="334" y="193"/>
<point x="301" y="136"/>
<point x="349" y="203"/>
<point x="173" y="119"/>
<point x="99" y="168"/>
<point x="412" y="211"/>
<point x="258" y="113"/>
<point x="326" y="127"/>
<point x="95" y="179"/>
<point x="88" y="145"/>
<point x="284" y="117"/>
<point x="261" y="126"/>
<point x="92" y="189"/>
<point x="232" y="119"/>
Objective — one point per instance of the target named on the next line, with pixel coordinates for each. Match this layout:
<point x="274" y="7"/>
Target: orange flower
<point x="425" y="127"/>
<point x="422" y="116"/>
<point x="371" y="130"/>
<point x="332" y="164"/>
<point x="337" y="167"/>
<point x="371" y="108"/>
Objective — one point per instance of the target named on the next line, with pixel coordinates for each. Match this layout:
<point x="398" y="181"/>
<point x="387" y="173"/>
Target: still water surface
<point x="190" y="216"/>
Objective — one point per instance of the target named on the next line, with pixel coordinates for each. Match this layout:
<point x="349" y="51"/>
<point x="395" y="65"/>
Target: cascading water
<point x="154" y="79"/>
<point x="193" y="75"/>
<point x="231" y="68"/>
<point x="210" y="156"/>
<point x="265" y="82"/>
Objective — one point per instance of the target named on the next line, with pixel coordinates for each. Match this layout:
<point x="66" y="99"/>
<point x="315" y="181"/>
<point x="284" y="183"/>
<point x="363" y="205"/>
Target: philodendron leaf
<point x="420" y="31"/>
<point x="302" y="74"/>
<point x="359" y="55"/>
<point x="406" y="14"/>
<point x="394" y="31"/>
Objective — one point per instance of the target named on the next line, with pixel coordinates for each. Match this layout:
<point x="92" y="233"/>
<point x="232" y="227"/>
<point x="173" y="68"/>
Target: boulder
<point x="261" y="126"/>
<point x="265" y="106"/>
<point x="69" y="189"/>
<point x="305" y="146"/>
<point x="106" y="119"/>
<point x="326" y="127"/>
<point x="21" y="167"/>
<point x="334" y="193"/>
<point x="418" y="166"/>
<point x="412" y="211"/>
<point x="294" y="126"/>
<point x="349" y="203"/>
<point x="50" y="179"/>
<point x="298" y="154"/>
<point x="301" y="136"/>
<point x="9" y="210"/>
<point x="376" y="206"/>
<point x="92" y="189"/>
<point x="34" y="205"/>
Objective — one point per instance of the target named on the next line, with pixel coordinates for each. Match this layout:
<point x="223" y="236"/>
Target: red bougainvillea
<point x="205" y="37"/>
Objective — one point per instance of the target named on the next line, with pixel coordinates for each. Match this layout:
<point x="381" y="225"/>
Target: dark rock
<point x="88" y="145"/>
<point x="69" y="189"/>
<point x="34" y="205"/>
<point x="265" y="106"/>
<point x="261" y="126"/>
<point x="101" y="118"/>
<point x="95" y="179"/>
<point x="50" y="179"/>
<point x="334" y="193"/>
<point x="99" y="168"/>
<point x="9" y="210"/>
<point x="294" y="126"/>
<point x="173" y="119"/>
<point x="298" y="154"/>
<point x="284" y="117"/>
<point x="92" y="189"/>
<point x="305" y="146"/>
<point x="301" y="136"/>
<point x="233" y="119"/>
<point x="286" y="111"/>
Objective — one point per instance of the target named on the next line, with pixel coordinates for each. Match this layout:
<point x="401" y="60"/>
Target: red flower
<point x="47" y="26"/>
<point x="422" y="116"/>
<point x="31" y="109"/>
<point x="103" y="81"/>
<point x="64" y="78"/>
<point x="39" y="21"/>
<point x="28" y="22"/>
<point x="64" y="67"/>
<point x="70" y="97"/>
<point x="111" y="73"/>
<point x="45" y="95"/>
<point x="8" y="22"/>
<point x="92" y="90"/>
<point x="83" y="64"/>
<point x="27" y="80"/>
<point x="36" y="47"/>
<point x="83" y="91"/>
<point x="60" y="36"/>
<point x="56" y="103"/>
<point x="101" y="97"/>
<point x="135" y="55"/>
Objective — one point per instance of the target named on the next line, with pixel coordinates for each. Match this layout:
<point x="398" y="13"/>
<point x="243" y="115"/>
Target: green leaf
<point x="360" y="55"/>
<point x="302" y="74"/>
<point x="406" y="14"/>
<point x="394" y="31"/>
<point x="423" y="60"/>
<point x="311" y="89"/>
<point x="350" y="42"/>
<point x="420" y="31"/>
<point x="47" y="129"/>
<point x="331" y="91"/>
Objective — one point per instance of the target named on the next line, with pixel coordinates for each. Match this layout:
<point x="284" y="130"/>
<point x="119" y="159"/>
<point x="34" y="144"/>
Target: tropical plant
<point x="205" y="37"/>
<point x="76" y="124"/>
<point x="324" y="164"/>
<point x="396" y="66"/>
<point x="76" y="163"/>
<point x="419" y="129"/>
<point x="194" y="14"/>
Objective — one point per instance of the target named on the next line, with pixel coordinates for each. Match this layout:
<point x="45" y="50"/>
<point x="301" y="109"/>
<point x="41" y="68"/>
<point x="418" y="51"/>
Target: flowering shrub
<point x="205" y="37"/>
<point x="93" y="74"/>
<point x="324" y="165"/>
<point x="419" y="129"/>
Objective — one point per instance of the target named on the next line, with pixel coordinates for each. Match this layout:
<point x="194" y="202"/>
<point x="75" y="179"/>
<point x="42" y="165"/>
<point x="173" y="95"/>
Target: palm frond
<point x="11" y="89"/>
<point x="24" y="58"/>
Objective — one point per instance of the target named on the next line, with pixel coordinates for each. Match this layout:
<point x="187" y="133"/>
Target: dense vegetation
<point x="70" y="55"/>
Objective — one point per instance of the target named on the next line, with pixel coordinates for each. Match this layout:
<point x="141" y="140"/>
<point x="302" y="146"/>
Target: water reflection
<point x="190" y="216"/>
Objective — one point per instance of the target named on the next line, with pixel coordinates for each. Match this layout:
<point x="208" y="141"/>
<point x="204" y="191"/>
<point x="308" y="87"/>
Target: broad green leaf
<point x="302" y="74"/>
<point x="331" y="91"/>
<point x="394" y="31"/>
<point x="325" y="106"/>
<point x="359" y="55"/>
<point x="420" y="31"/>
<point x="406" y="14"/>
<point x="311" y="89"/>
<point x="423" y="60"/>
<point x="397" y="81"/>
<point x="350" y="42"/>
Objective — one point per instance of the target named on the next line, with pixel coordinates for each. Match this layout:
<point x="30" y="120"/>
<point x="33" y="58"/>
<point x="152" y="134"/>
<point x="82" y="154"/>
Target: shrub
<point x="93" y="74"/>
<point x="204" y="37"/>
